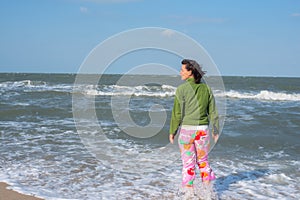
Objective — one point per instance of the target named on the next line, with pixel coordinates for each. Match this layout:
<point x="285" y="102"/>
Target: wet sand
<point x="7" y="194"/>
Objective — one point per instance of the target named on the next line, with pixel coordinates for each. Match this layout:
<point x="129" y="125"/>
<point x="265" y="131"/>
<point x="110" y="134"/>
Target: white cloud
<point x="295" y="15"/>
<point x="83" y="9"/>
<point x="167" y="33"/>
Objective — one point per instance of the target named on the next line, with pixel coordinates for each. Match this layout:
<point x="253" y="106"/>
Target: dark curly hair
<point x="192" y="65"/>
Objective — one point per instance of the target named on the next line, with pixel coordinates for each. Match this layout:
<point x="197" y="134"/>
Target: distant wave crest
<point x="142" y="90"/>
<point x="94" y="90"/>
<point x="24" y="83"/>
<point x="34" y="86"/>
<point x="263" y="95"/>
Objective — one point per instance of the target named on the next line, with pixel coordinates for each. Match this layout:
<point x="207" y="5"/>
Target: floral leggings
<point x="194" y="146"/>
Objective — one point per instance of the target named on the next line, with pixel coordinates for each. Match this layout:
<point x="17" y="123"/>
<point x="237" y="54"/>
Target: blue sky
<point x="248" y="38"/>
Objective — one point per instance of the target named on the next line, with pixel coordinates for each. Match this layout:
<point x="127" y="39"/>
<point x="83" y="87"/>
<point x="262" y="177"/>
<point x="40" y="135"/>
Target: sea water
<point x="43" y="153"/>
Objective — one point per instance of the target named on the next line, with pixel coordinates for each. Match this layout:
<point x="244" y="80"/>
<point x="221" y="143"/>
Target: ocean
<point x="61" y="140"/>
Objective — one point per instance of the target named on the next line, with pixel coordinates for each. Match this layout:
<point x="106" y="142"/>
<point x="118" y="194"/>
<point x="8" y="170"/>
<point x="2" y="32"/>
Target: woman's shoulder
<point x="203" y="85"/>
<point x="183" y="88"/>
<point x="182" y="85"/>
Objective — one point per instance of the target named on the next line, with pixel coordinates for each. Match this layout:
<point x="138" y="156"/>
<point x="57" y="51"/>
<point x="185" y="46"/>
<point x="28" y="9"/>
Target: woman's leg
<point x="188" y="156"/>
<point x="202" y="142"/>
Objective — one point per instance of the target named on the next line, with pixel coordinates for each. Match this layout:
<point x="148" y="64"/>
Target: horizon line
<point x="225" y="75"/>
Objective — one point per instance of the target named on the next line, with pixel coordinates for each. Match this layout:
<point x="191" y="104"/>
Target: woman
<point x="194" y="109"/>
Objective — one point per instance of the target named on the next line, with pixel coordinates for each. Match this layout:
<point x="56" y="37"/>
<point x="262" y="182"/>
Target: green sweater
<point x="194" y="104"/>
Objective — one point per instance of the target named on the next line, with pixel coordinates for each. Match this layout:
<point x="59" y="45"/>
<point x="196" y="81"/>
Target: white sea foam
<point x="36" y="86"/>
<point x="24" y="83"/>
<point x="93" y="90"/>
<point x="117" y="90"/>
<point x="262" y="95"/>
<point x="278" y="154"/>
<point x="72" y="173"/>
<point x="72" y="177"/>
<point x="140" y="90"/>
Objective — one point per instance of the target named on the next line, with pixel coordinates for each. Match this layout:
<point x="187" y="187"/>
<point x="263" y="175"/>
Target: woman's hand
<point x="171" y="138"/>
<point x="215" y="137"/>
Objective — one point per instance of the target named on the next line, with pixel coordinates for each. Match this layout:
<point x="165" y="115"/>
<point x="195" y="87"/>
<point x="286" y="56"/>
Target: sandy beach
<point x="7" y="194"/>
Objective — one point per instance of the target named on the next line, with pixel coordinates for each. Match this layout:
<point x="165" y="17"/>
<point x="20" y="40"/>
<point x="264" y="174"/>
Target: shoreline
<point x="9" y="194"/>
